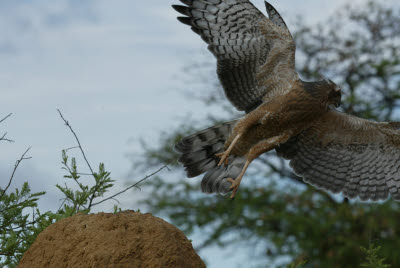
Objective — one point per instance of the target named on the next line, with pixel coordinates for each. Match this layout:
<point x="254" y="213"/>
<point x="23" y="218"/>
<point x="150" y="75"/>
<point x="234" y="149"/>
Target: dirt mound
<point x="126" y="239"/>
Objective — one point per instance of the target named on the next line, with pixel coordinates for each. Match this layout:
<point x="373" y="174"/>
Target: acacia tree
<point x="358" y="48"/>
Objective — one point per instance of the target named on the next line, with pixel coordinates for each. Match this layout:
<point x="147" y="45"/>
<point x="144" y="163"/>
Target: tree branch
<point x="77" y="140"/>
<point x="5" y="118"/>
<point x="83" y="153"/>
<point x="15" y="205"/>
<point x="3" y="137"/>
<point x="134" y="185"/>
<point x="15" y="169"/>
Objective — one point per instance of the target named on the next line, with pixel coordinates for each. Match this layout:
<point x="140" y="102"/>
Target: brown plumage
<point x="255" y="64"/>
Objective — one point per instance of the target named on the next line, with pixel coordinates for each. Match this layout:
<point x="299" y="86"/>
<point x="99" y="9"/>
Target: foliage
<point x="15" y="226"/>
<point x="81" y="200"/>
<point x="296" y="264"/>
<point x="373" y="258"/>
<point x="358" y="49"/>
<point x="20" y="227"/>
<point x="20" y="219"/>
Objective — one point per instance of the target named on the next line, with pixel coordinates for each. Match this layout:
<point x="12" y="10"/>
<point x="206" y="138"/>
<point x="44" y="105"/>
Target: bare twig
<point x="15" y="169"/>
<point x="83" y="153"/>
<point x="134" y="185"/>
<point x="75" y="147"/>
<point x="63" y="202"/>
<point x="92" y="198"/>
<point x="91" y="204"/>
<point x="84" y="174"/>
<point x="3" y="138"/>
<point x="77" y="140"/>
<point x="5" y="118"/>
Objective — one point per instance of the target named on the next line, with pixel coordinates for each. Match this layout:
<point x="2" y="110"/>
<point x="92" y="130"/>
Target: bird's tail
<point x="198" y="156"/>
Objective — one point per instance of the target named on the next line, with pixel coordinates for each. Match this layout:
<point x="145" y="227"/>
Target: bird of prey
<point x="256" y="67"/>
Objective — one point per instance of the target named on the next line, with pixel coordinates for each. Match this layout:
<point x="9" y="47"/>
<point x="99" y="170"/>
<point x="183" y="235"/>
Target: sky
<point x="115" y="70"/>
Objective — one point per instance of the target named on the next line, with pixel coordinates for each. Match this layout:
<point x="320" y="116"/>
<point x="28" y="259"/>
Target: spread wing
<point x="343" y="153"/>
<point x="255" y="55"/>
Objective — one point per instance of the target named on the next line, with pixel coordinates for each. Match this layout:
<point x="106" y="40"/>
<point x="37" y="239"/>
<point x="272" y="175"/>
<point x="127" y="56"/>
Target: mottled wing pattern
<point x="277" y="75"/>
<point x="343" y="153"/>
<point x="248" y="47"/>
<point x="274" y="15"/>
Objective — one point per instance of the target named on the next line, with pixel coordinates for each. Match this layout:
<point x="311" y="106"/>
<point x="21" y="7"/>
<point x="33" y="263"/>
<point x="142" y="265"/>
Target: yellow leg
<point x="224" y="155"/>
<point x="254" y="152"/>
<point x="236" y="182"/>
<point x="267" y="145"/>
<point x="240" y="129"/>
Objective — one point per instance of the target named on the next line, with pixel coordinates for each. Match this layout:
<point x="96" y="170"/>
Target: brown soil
<point x="126" y="239"/>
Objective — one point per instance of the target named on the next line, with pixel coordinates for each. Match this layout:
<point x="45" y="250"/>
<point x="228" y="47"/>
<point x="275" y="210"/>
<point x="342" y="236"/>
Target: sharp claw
<point x="224" y="161"/>
<point x="224" y="158"/>
<point x="234" y="187"/>
<point x="235" y="183"/>
<point x="233" y="193"/>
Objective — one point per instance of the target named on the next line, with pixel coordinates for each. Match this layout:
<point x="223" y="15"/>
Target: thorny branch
<point x="83" y="154"/>
<point x="15" y="169"/>
<point x="134" y="185"/>
<point x="3" y="138"/>
<point x="77" y="140"/>
<point x="5" y="118"/>
<point x="91" y="204"/>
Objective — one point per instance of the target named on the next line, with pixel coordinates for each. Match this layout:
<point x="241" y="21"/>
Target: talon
<point x="234" y="187"/>
<point x="236" y="182"/>
<point x="224" y="158"/>
<point x="224" y="155"/>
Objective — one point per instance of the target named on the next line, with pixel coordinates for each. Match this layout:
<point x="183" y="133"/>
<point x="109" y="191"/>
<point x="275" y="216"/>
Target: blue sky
<point x="114" y="68"/>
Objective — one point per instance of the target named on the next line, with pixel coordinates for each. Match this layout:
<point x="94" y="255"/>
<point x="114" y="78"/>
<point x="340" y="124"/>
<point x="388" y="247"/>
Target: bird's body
<point x="290" y="113"/>
<point x="256" y="67"/>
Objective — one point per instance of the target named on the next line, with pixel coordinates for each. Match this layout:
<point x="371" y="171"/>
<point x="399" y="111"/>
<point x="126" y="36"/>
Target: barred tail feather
<point x="198" y="156"/>
<point x="215" y="180"/>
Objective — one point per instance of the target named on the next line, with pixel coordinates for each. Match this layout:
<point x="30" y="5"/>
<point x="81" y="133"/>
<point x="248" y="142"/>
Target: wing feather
<point x="343" y="153"/>
<point x="255" y="55"/>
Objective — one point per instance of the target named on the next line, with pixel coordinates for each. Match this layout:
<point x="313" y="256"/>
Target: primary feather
<point x="233" y="31"/>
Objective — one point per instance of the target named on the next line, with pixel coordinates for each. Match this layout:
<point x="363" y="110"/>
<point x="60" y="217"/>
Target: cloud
<point x="71" y="12"/>
<point x="22" y="22"/>
<point x="7" y="47"/>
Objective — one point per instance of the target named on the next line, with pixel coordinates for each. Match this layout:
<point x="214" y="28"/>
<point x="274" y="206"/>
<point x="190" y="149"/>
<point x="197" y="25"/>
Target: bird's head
<point x="334" y="93"/>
